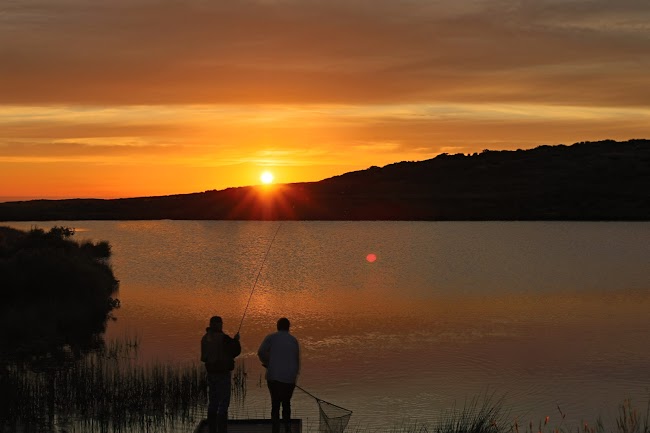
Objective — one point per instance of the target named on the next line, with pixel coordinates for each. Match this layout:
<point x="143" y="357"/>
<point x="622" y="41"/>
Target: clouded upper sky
<point x="150" y="97"/>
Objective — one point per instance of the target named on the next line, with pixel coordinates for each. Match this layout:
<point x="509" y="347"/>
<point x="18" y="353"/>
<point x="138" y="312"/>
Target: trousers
<point x="219" y="385"/>
<point x="281" y="394"/>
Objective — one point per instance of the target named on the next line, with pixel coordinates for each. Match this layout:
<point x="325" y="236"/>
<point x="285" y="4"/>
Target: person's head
<point x="216" y="323"/>
<point x="283" y="324"/>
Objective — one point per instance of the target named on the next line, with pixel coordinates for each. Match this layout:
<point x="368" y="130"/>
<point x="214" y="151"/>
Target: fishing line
<point x="333" y="418"/>
<point x="258" y="276"/>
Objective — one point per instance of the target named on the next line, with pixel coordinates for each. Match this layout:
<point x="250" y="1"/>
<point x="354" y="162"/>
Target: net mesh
<point x="333" y="418"/>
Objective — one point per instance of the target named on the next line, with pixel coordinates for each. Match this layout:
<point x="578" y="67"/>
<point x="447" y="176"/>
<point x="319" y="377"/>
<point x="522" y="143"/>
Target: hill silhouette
<point x="604" y="180"/>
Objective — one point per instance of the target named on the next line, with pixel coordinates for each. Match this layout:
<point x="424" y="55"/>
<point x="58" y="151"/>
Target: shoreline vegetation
<point x="109" y="391"/>
<point x="57" y="294"/>
<point x="587" y="181"/>
<point x="103" y="391"/>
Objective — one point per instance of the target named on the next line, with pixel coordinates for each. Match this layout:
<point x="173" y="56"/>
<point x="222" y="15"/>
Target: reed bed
<point x="486" y="415"/>
<point x="628" y="420"/>
<point x="239" y="377"/>
<point x="107" y="391"/>
<point x="482" y="414"/>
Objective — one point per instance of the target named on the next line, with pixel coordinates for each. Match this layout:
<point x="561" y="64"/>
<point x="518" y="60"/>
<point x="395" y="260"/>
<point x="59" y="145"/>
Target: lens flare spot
<point x="371" y="258"/>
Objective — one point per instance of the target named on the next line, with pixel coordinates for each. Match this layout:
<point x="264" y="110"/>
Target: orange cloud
<point x="125" y="97"/>
<point x="335" y="51"/>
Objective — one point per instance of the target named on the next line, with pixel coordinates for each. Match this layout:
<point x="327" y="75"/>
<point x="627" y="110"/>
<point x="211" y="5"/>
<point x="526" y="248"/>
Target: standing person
<point x="280" y="354"/>
<point x="218" y="352"/>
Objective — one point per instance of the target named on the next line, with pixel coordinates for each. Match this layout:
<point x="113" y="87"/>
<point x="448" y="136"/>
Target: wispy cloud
<point x="290" y="135"/>
<point x="102" y="93"/>
<point x="579" y="52"/>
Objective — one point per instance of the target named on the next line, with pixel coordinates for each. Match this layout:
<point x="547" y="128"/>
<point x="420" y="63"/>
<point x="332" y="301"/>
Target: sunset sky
<point x="126" y="98"/>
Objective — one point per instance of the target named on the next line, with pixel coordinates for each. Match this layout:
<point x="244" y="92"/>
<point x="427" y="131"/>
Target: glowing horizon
<point x="102" y="100"/>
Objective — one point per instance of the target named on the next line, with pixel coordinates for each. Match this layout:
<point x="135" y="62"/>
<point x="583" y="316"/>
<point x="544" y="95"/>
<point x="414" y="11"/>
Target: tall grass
<point x="106" y="391"/>
<point x="630" y="421"/>
<point x="109" y="391"/>
<point x="485" y="414"/>
<point x="239" y="382"/>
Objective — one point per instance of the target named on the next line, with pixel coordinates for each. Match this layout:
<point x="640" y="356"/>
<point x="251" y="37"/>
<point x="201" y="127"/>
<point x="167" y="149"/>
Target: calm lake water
<point x="539" y="313"/>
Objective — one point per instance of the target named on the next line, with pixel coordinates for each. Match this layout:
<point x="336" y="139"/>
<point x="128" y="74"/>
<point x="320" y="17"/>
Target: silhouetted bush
<point x="99" y="250"/>
<point x="54" y="290"/>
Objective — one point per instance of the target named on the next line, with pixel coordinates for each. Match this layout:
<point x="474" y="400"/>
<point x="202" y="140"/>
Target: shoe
<point x="222" y="423"/>
<point x="212" y="422"/>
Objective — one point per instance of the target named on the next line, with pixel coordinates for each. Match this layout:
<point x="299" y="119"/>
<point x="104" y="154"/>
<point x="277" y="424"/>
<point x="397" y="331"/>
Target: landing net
<point x="333" y="418"/>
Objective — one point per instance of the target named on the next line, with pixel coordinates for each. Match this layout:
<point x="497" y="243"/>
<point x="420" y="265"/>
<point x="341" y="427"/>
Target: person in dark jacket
<point x="218" y="352"/>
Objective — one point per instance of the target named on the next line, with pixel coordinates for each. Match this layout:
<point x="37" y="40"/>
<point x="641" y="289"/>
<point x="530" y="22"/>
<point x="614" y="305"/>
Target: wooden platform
<point x="250" y="426"/>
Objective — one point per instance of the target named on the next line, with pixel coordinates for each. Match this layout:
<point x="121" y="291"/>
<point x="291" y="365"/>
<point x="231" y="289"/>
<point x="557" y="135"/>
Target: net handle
<point x="320" y="399"/>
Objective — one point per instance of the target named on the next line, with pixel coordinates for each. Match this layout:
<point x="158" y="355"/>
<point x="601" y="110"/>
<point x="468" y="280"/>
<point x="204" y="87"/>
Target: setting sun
<point x="266" y="177"/>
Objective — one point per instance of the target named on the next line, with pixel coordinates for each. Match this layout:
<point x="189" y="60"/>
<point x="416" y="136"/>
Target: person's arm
<point x="298" y="356"/>
<point x="264" y="351"/>
<point x="235" y="347"/>
<point x="204" y="354"/>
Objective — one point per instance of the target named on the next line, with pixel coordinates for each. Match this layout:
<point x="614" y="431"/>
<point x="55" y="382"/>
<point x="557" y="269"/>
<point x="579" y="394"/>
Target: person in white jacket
<point x="280" y="354"/>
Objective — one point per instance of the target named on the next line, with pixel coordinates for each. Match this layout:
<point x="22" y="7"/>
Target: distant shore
<point x="587" y="181"/>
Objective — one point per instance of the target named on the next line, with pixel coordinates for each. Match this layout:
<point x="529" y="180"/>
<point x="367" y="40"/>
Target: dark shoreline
<point x="587" y="181"/>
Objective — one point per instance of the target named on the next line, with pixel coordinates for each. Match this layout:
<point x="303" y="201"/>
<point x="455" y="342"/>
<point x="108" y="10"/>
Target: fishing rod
<point x="258" y="276"/>
<point x="344" y="414"/>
